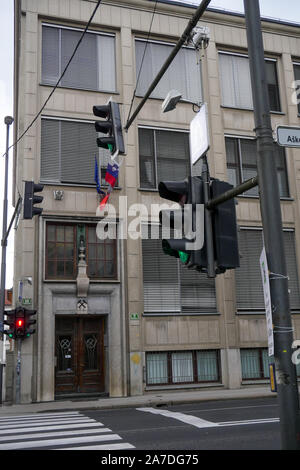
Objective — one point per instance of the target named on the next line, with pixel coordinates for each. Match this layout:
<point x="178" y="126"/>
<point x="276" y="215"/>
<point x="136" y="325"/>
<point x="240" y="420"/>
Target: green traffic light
<point x="184" y="257"/>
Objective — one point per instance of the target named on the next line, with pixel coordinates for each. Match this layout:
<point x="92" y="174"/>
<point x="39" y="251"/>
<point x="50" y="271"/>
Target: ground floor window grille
<point x="179" y="367"/>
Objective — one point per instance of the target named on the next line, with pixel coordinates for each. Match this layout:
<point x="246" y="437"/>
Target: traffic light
<point x="112" y="126"/>
<point x="29" y="322"/>
<point x="11" y="322"/>
<point x="19" y="322"/>
<point x="187" y="221"/>
<point x="224" y="228"/>
<point x="30" y="199"/>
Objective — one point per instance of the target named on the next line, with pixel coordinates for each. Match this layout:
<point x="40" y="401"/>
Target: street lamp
<point x="171" y="100"/>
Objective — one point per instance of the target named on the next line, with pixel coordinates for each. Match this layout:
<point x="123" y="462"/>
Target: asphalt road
<point x="216" y="425"/>
<point x="248" y="424"/>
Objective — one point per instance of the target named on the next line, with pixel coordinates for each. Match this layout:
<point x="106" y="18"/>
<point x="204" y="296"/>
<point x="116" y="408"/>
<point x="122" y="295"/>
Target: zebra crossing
<point x="57" y="431"/>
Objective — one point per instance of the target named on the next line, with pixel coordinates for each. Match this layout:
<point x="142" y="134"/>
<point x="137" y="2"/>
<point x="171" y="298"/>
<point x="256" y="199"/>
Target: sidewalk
<point x="160" y="398"/>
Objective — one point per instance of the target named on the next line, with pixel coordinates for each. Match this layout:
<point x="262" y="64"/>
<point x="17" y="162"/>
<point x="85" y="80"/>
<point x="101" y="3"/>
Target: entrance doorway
<point x="79" y="355"/>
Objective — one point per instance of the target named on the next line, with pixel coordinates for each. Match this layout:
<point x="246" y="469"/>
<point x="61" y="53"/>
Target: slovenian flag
<point x="112" y="172"/>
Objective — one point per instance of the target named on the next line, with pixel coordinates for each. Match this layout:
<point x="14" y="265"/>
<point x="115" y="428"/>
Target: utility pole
<point x="273" y="235"/>
<point x="8" y="120"/>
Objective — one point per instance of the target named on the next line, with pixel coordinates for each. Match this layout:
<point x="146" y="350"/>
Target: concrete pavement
<point x="158" y="398"/>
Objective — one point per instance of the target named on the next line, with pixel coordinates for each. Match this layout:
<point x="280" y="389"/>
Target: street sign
<point x="288" y="136"/>
<point x="199" y="135"/>
<point x="267" y="297"/>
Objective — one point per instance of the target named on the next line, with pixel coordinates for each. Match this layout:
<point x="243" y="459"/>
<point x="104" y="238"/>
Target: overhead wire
<point x="58" y="81"/>
<point x="142" y="61"/>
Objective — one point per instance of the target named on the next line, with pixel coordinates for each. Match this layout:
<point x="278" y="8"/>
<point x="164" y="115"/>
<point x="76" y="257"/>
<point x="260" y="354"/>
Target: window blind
<point x="249" y="291"/>
<point x="184" y="73"/>
<point x="92" y="67"/>
<point x="68" y="150"/>
<point x="198" y="292"/>
<point x="164" y="155"/>
<point x="235" y="82"/>
<point x="170" y="287"/>
<point x="161" y="280"/>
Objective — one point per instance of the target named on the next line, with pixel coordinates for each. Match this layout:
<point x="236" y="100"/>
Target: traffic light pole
<point x="209" y="240"/>
<point x="8" y="120"/>
<point x="273" y="235"/>
<point x="18" y="372"/>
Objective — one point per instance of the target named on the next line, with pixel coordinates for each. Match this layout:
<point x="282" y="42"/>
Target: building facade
<point x="116" y="317"/>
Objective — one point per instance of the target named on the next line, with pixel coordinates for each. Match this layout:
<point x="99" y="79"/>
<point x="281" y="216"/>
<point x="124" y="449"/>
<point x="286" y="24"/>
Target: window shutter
<point x="291" y="262"/>
<point x="50" y="154"/>
<point x="184" y="74"/>
<point x="198" y="293"/>
<point x="249" y="291"/>
<point x="161" y="281"/>
<point x="78" y="150"/>
<point x="50" y="55"/>
<point x="82" y="71"/>
<point x="172" y="155"/>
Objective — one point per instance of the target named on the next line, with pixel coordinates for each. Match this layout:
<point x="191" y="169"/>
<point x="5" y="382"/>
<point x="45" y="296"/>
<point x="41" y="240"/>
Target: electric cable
<point x="144" y="53"/>
<point x="60" y="78"/>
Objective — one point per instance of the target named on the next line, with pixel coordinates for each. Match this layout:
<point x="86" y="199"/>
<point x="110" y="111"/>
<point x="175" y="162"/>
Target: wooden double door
<point x="79" y="355"/>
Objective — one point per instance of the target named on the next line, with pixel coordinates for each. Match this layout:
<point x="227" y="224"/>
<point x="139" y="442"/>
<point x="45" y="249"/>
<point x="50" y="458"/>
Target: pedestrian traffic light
<point x="186" y="221"/>
<point x="29" y="322"/>
<point x="19" y="322"/>
<point x="30" y="199"/>
<point x="224" y="228"/>
<point x="11" y="322"/>
<point x="112" y="126"/>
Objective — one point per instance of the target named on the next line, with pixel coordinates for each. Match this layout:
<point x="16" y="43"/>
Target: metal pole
<point x="209" y="240"/>
<point x="185" y="35"/>
<point x="241" y="188"/>
<point x="273" y="235"/>
<point x="8" y="120"/>
<point x="18" y="372"/>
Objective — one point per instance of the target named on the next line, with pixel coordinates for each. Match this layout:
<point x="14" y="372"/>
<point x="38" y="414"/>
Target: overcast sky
<point x="283" y="10"/>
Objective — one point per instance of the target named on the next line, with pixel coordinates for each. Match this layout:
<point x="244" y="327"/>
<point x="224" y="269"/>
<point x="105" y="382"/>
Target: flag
<point x="112" y="174"/>
<point x="96" y="178"/>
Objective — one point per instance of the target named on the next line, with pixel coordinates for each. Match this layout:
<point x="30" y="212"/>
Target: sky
<point x="287" y="10"/>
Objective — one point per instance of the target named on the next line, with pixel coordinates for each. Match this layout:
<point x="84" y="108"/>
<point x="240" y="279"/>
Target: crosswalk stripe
<point x="40" y="416"/>
<point x="55" y="442"/>
<point x="118" y="446"/>
<point x="60" y="429"/>
<point x="16" y="437"/>
<point x="60" y="421"/>
<point x="53" y="427"/>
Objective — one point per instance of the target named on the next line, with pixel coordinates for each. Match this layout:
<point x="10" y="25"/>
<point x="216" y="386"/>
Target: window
<point x="163" y="155"/>
<point x="249" y="291"/>
<point x="171" y="288"/>
<point x="255" y="364"/>
<point x="177" y="367"/>
<point x="241" y="155"/>
<point x="297" y="78"/>
<point x="183" y="75"/>
<point x="93" y="65"/>
<point x="235" y="82"/>
<point x="68" y="150"/>
<point x="62" y="250"/>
